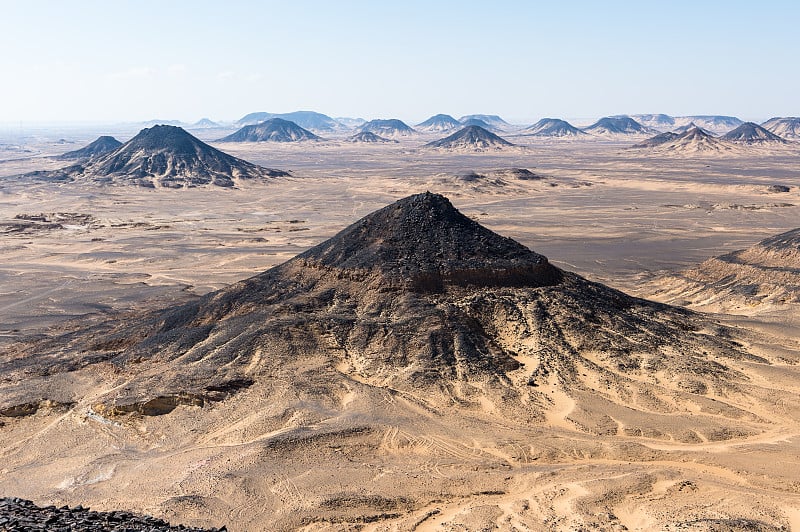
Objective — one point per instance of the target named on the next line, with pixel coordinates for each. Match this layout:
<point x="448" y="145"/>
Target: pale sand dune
<point x="368" y="457"/>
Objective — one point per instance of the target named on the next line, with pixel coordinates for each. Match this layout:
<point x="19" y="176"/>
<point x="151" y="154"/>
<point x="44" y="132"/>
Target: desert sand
<point x="279" y="455"/>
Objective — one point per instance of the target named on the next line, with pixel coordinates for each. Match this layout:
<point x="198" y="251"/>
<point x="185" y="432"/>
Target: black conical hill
<point x="425" y="240"/>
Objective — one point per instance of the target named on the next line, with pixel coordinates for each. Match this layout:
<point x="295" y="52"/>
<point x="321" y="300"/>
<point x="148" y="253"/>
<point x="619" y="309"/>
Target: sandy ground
<point x="375" y="460"/>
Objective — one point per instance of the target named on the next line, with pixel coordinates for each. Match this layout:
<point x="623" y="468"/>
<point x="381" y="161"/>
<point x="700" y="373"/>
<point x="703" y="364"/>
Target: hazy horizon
<point x="95" y="62"/>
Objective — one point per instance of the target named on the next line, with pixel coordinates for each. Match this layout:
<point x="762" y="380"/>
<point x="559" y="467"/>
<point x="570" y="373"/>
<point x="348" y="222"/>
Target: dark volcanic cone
<point x="100" y="146"/>
<point x="272" y="130"/>
<point x="164" y="156"/>
<point x="416" y="298"/>
<point x="471" y="138"/>
<point x="750" y="133"/>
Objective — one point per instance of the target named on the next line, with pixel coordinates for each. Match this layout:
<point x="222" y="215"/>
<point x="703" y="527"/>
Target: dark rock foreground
<point x="21" y="514"/>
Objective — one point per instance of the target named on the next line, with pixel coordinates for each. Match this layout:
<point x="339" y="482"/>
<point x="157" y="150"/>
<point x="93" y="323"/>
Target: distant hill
<point x="751" y="133"/>
<point x="100" y="146"/>
<point x="350" y="123"/>
<point x="695" y="140"/>
<point x="369" y="138"/>
<point x="716" y="124"/>
<point x="655" y="121"/>
<point x="493" y="120"/>
<point x="553" y="127"/>
<point x="272" y="130"/>
<point x="617" y="125"/>
<point x="204" y="123"/>
<point x="438" y="123"/>
<point x="691" y="125"/>
<point x="658" y="140"/>
<point x="163" y="157"/>
<point x="480" y="123"/>
<point x="306" y="119"/>
<point x="388" y="128"/>
<point x="787" y="127"/>
<point x="471" y="138"/>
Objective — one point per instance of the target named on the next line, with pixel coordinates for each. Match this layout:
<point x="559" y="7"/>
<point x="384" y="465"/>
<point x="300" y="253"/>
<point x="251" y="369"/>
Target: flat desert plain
<point x="371" y="458"/>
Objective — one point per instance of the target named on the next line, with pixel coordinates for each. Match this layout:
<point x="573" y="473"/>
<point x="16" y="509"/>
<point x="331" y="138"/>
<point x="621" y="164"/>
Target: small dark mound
<point x="21" y="514"/>
<point x="658" y="140"/>
<point x="522" y="174"/>
<point x="369" y="138"/>
<point x="102" y="145"/>
<point x="778" y="188"/>
<point x="425" y="239"/>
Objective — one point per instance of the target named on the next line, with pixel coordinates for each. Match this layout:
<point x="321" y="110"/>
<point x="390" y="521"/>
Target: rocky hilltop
<point x="163" y="157"/>
<point x="272" y="130"/>
<point x="470" y="138"/>
<point x="100" y="146"/>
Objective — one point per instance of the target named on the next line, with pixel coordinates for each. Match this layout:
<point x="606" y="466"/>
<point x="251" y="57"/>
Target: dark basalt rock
<point x="23" y="515"/>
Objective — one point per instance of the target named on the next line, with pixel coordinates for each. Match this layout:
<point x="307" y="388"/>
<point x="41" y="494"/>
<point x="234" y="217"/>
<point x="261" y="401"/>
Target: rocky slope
<point x="470" y="138"/>
<point x="759" y="277"/>
<point x="272" y="130"/>
<point x="787" y="128"/>
<point x="100" y="146"/>
<point x="163" y="156"/>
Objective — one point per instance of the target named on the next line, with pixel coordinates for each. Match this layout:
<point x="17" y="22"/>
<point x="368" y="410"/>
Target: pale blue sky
<point x="136" y="60"/>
